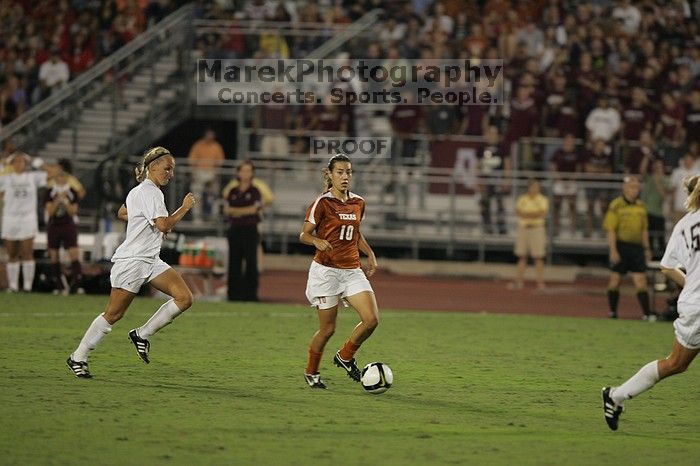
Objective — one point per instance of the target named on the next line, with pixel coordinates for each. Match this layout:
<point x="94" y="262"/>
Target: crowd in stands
<point x="46" y="43"/>
<point x="624" y="73"/>
<point x="622" y="78"/>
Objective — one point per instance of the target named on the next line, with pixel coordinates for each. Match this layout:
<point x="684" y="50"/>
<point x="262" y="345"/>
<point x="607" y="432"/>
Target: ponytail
<point x="327" y="182"/>
<point x="692" y="186"/>
<point x="150" y="156"/>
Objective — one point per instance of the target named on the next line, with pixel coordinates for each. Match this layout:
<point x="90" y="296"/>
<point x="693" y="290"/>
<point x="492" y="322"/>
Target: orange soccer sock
<point x="348" y="350"/>
<point x="314" y="361"/>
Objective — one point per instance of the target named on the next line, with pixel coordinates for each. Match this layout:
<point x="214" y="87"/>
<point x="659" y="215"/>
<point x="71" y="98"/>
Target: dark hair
<point x="245" y="162"/>
<point x="329" y="168"/>
<point x="65" y="165"/>
<point x="337" y="158"/>
<point x="150" y="156"/>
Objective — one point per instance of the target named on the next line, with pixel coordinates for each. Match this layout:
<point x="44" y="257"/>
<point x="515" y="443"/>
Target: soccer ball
<point x="377" y="377"/>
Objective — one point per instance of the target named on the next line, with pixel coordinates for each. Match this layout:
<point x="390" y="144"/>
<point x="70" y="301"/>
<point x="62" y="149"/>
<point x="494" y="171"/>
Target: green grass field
<point x="225" y="386"/>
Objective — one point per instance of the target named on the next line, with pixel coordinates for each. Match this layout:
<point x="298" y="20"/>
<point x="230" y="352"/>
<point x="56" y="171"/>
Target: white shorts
<point x="15" y="229"/>
<point x="687" y="325"/>
<point x="564" y="188"/>
<point x="327" y="285"/>
<point x="131" y="274"/>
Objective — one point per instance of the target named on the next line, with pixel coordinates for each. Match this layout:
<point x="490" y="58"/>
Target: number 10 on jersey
<point x="346" y="232"/>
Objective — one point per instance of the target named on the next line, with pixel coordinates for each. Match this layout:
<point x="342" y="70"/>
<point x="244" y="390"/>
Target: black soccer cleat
<point x="611" y="410"/>
<point x="314" y="380"/>
<point x="349" y="366"/>
<point x="79" y="368"/>
<point x="142" y="345"/>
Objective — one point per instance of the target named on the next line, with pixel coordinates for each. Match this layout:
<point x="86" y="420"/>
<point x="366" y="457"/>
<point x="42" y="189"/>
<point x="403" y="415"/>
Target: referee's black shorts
<point x="631" y="258"/>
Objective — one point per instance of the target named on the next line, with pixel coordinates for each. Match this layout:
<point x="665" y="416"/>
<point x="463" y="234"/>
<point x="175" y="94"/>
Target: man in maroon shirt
<point x="273" y="116"/>
<point x="639" y="160"/>
<point x="560" y="116"/>
<point x="565" y="162"/>
<point x="330" y="118"/>
<point x="243" y="205"/>
<point x="524" y="117"/>
<point x="670" y="122"/>
<point x="406" y="120"/>
<point x="637" y="116"/>
<point x="597" y="161"/>
<point x="475" y="118"/>
<point x="691" y="121"/>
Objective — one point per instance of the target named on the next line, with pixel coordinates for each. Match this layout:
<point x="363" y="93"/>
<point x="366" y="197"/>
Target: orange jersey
<point x="338" y="223"/>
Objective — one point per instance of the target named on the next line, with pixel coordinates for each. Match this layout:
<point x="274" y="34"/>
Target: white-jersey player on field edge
<point x="137" y="261"/>
<point x="680" y="263"/>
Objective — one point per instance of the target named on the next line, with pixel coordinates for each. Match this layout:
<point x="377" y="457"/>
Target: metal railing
<point x="31" y="129"/>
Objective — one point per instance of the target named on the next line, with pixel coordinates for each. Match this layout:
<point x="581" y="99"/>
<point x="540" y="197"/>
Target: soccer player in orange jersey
<point x="335" y="272"/>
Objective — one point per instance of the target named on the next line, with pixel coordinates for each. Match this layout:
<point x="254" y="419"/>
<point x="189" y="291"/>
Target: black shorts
<point x="631" y="259"/>
<point x="65" y="234"/>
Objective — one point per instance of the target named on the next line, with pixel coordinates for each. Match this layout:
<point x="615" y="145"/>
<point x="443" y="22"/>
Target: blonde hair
<point x="692" y="187"/>
<point x="150" y="156"/>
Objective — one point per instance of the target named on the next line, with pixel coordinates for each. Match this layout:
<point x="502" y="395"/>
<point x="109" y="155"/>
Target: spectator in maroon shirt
<point x="588" y="84"/>
<point x="406" y="120"/>
<point x="637" y="116"/>
<point x="524" y="117"/>
<point x="559" y="115"/>
<point x="565" y="162"/>
<point x="597" y="161"/>
<point x="330" y="118"/>
<point x="475" y="119"/>
<point x="670" y="123"/>
<point x="691" y="120"/>
<point x="305" y="120"/>
<point x="638" y="161"/>
<point x="243" y="205"/>
<point x="273" y="116"/>
<point x="81" y="57"/>
<point x="649" y="82"/>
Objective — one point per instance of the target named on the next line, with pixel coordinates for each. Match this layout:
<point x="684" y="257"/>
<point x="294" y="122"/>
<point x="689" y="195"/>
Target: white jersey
<point x="144" y="204"/>
<point x="20" y="196"/>
<point x="683" y="250"/>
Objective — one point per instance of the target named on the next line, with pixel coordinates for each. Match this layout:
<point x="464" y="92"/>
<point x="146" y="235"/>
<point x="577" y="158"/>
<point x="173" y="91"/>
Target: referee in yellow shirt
<point x="628" y="243"/>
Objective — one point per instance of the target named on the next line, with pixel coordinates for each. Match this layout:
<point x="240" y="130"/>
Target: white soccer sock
<point x="162" y="317"/>
<point x="97" y="330"/>
<point x="13" y="275"/>
<point x="28" y="269"/>
<point x="638" y="383"/>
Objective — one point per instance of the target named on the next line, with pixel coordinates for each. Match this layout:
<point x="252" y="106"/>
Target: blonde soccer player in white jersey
<point x="136" y="261"/>
<point x="680" y="263"/>
<point x="20" y="222"/>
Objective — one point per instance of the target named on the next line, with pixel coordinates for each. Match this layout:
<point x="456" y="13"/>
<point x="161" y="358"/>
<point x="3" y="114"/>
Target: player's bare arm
<point x="364" y="246"/>
<point x="307" y="237"/>
<point x="612" y="246"/>
<point x="165" y="224"/>
<point x="122" y="214"/>
<point x="676" y="275"/>
<point x="51" y="207"/>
